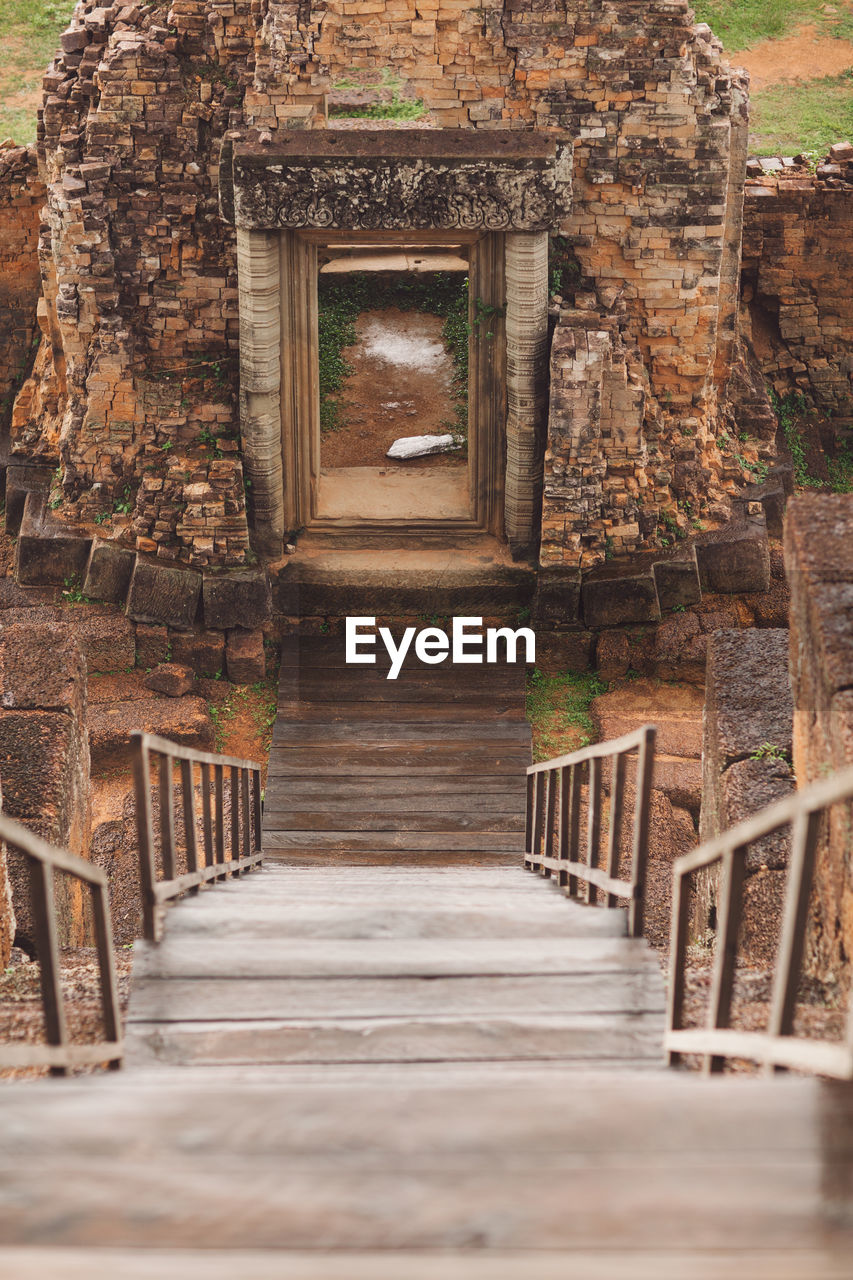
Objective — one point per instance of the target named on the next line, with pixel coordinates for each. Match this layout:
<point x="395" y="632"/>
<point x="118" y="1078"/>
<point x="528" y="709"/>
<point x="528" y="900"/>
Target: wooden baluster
<point x="47" y="949"/>
<point x="190" y="834"/>
<point x="640" y="842"/>
<point x="617" y="791"/>
<point x="145" y="836"/>
<point x="678" y="958"/>
<point x="594" y="822"/>
<point x="574" y="826"/>
<point x="206" y="816"/>
<point x="219" y="824"/>
<point x="256" y="796"/>
<point x="106" y="967"/>
<point x="550" y="810"/>
<point x="563" y="824"/>
<point x="165" y="775"/>
<point x="789" y="958"/>
<point x="528" y="817"/>
<point x="235" y="816"/>
<point x="247" y="813"/>
<point x="729" y="910"/>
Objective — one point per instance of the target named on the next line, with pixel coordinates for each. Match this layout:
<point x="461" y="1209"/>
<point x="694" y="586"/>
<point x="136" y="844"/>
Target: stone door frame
<point x="280" y="401"/>
<point x="499" y="193"/>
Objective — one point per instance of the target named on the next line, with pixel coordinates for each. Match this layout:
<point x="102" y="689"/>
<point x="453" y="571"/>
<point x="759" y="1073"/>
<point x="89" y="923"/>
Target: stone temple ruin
<point x="192" y="170"/>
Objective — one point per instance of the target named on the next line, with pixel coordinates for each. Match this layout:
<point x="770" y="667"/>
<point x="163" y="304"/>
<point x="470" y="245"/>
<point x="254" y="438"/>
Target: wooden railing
<point x="229" y="846"/>
<point x="59" y="1054"/>
<point x="776" y="1048"/>
<point x="553" y="834"/>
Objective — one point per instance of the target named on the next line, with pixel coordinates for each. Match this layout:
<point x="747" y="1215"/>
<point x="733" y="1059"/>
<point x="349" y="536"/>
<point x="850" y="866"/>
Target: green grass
<point x="29" y="37"/>
<point x="341" y="301"/>
<point x="558" y="711"/>
<point x="742" y="23"/>
<point x="396" y="109"/>
<point x="808" y="118"/>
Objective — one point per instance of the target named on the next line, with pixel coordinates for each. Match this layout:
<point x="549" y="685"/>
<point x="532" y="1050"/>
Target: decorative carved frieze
<point x="376" y="182"/>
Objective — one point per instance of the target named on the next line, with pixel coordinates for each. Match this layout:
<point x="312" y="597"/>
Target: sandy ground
<point x="401" y="385"/>
<point x="805" y="55"/>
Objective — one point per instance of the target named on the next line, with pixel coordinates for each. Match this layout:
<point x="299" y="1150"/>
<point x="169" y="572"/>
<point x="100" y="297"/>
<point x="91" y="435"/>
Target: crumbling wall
<point x="21" y="198"/>
<point x="819" y="563"/>
<point x="44" y="759"/>
<point x="138" y="365"/>
<point x="746" y="760"/>
<point x="797" y="265"/>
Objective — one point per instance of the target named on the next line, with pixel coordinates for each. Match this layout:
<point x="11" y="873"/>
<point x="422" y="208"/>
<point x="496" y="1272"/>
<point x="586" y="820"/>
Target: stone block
<point x="163" y="593"/>
<point x="749" y="786"/>
<point x="21" y="480"/>
<point x="202" y="651"/>
<point x="557" y="598"/>
<point x="41" y="668"/>
<point x="241" y="598"/>
<point x="182" y="720"/>
<point x="748" y="702"/>
<point x="680" y="649"/>
<point x="244" y="656"/>
<point x="108" y="572"/>
<point x="559" y="651"/>
<point x="170" y="678"/>
<point x="106" y="638"/>
<point x="612" y="655"/>
<point x="738" y="561"/>
<point x="677" y="583"/>
<point x="152" y="644"/>
<point x="615" y="602"/>
<point x="48" y="554"/>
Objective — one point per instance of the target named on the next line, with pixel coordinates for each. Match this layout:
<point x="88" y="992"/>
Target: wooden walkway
<point x="433" y="1070"/>
<point x="427" y="767"/>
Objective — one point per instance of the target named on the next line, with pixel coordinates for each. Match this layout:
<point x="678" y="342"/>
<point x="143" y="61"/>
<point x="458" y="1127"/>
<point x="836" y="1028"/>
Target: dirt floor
<point x="808" y="54"/>
<point x="401" y="385"/>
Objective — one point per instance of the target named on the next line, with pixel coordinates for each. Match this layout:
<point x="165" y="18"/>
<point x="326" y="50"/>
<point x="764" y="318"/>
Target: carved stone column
<point x="526" y="382"/>
<point x="260" y="385"/>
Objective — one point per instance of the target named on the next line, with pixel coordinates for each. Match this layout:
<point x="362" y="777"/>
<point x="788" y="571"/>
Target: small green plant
<point x="73" y="591"/>
<point x="103" y="517"/>
<point x="124" y="505"/>
<point x="609" y="548"/>
<point x="679" y="608"/>
<point x="769" y="751"/>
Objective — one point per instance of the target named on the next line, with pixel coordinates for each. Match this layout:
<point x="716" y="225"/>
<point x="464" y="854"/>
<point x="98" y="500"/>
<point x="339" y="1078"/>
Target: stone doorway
<point x="393" y="345"/>
<point x="434" y="191"/>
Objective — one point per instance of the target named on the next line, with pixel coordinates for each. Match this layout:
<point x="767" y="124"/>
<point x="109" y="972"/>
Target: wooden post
<point x="47" y="949"/>
<point x="145" y="835"/>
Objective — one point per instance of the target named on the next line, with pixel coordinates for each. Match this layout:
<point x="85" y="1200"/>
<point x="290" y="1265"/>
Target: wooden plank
<point x="501" y="710"/>
<point x="297" y="819"/>
<point x="228" y="998"/>
<point x="344" y="841"/>
<point x="491" y="788"/>
<point x="383" y="957"/>
<point x="576" y="1036"/>
<point x="818" y="1263"/>
<point x="390" y="764"/>
<point x="382" y="731"/>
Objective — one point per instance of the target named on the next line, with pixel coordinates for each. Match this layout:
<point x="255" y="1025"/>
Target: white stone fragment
<point x="420" y="446"/>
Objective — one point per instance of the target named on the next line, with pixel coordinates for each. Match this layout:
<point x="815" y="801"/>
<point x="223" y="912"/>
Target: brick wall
<point x="797" y="264"/>
<point x="135" y="393"/>
<point x="21" y="199"/>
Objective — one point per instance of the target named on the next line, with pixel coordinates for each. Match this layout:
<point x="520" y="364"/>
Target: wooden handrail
<point x="777" y="1048"/>
<point x="244" y="827"/>
<point x="554" y="812"/>
<point x="43" y="860"/>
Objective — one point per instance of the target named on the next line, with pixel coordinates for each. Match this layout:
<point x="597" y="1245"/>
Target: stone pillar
<point x="526" y="347"/>
<point x="260" y="385"/>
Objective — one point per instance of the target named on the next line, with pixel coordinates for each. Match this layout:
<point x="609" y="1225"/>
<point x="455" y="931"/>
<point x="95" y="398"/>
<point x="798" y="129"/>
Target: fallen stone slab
<point x="170" y="678"/>
<point x="163" y="593"/>
<point x="422" y="446"/>
<point x="244" y="656"/>
<point x="108" y="572"/>
<point x="182" y="720"/>
<point x="238" y="599"/>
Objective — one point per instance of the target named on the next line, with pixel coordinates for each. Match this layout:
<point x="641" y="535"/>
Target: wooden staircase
<point x="428" y="767"/>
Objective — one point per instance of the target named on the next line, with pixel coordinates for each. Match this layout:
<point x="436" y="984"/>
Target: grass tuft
<point x="558" y="711"/>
